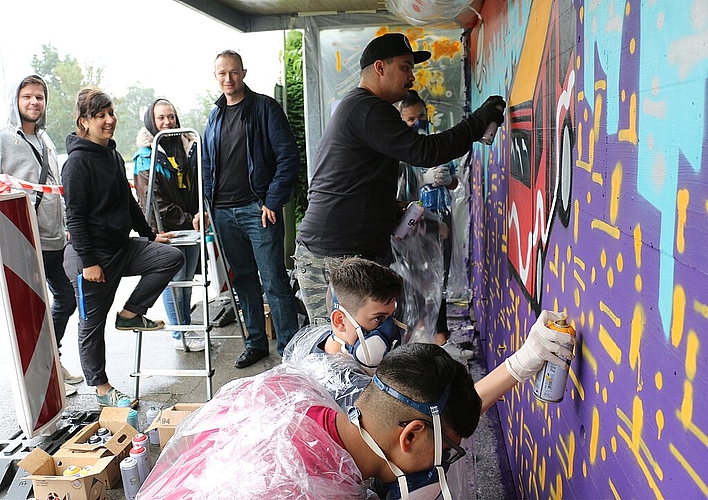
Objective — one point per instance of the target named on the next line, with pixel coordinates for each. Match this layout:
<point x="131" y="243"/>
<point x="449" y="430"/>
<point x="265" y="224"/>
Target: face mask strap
<point x="354" y="414"/>
<point x="359" y="331"/>
<point x="432" y="410"/>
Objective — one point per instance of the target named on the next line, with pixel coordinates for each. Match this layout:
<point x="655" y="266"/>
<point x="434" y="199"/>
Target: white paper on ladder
<point x="25" y="319"/>
<point x="220" y="273"/>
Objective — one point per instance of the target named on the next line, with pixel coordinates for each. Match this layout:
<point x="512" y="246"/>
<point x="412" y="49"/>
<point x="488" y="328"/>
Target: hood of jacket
<point x="13" y="117"/>
<point x="76" y="143"/>
<point x="145" y="137"/>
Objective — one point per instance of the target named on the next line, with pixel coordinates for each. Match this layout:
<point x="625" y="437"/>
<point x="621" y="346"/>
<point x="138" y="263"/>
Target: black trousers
<point x="64" y="302"/>
<point x="155" y="263"/>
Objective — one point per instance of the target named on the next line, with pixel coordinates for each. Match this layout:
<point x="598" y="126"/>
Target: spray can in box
<point x="550" y="381"/>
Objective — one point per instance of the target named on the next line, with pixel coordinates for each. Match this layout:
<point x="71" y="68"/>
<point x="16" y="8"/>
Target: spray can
<point x="551" y="379"/>
<point x="130" y="476"/>
<point x="153" y="434"/>
<point x="142" y="457"/>
<point x="104" y="434"/>
<point x="72" y="471"/>
<point x="133" y="418"/>
<point x="412" y="215"/>
<point x="489" y="134"/>
<point x="85" y="471"/>
<point x="94" y="439"/>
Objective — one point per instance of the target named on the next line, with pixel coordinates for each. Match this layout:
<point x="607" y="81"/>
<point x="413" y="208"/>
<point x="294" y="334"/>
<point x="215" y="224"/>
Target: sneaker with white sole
<point x="69" y="390"/>
<point x="193" y="341"/>
<point x="457" y="352"/>
<point x="69" y="378"/>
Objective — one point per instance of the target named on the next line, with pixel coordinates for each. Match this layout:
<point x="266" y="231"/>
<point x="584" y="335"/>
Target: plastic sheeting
<point x="254" y="440"/>
<point x="428" y="12"/>
<point x="458" y="283"/>
<point x="340" y="374"/>
<point x="418" y="259"/>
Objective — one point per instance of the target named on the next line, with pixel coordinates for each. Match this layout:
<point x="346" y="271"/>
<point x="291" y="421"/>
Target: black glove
<point x="491" y="111"/>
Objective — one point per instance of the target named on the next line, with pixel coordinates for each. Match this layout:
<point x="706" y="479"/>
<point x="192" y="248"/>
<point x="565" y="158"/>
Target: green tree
<point x="64" y="78"/>
<point x="292" y="56"/>
<point x="196" y="118"/>
<point x="130" y="110"/>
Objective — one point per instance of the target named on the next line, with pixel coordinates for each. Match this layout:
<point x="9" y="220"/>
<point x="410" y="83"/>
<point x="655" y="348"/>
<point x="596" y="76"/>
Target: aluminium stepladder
<point x="208" y="273"/>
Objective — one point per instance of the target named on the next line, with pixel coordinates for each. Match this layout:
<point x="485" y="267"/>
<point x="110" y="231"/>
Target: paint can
<point x="140" y="439"/>
<point x="85" y="471"/>
<point x="133" y="419"/>
<point x="491" y="131"/>
<point x="412" y="215"/>
<point x="94" y="439"/>
<point x="142" y="457"/>
<point x="153" y="434"/>
<point x="551" y="379"/>
<point x="72" y="471"/>
<point x="104" y="434"/>
<point x="130" y="476"/>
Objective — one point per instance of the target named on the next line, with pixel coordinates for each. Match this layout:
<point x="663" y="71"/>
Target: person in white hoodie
<point x="28" y="153"/>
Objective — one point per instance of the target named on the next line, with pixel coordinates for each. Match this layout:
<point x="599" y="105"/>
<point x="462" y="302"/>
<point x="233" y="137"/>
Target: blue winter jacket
<point x="273" y="155"/>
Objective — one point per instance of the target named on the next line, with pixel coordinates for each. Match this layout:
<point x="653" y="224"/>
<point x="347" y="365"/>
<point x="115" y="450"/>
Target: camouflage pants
<point x="313" y="272"/>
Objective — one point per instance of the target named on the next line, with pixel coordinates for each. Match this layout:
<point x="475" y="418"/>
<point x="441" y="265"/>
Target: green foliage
<point x="196" y="118"/>
<point x="64" y="79"/>
<point x="292" y="56"/>
<point x="130" y="110"/>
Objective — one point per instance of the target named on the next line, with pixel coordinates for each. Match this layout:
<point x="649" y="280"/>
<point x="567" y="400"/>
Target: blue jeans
<point x="184" y="295"/>
<point x="251" y="249"/>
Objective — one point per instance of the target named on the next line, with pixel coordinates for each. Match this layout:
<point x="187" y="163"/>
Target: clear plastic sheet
<point x="458" y="285"/>
<point x="340" y="374"/>
<point x="427" y="12"/>
<point x="254" y="440"/>
<point x="418" y="259"/>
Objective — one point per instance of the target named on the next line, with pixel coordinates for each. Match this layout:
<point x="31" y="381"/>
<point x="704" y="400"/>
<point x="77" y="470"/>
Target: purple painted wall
<point x="593" y="199"/>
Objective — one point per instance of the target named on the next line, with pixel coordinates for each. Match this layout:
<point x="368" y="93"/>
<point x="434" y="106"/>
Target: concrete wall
<point x="593" y="200"/>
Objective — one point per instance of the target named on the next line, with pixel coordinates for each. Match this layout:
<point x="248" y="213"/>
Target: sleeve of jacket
<point x="208" y="157"/>
<point x="287" y="157"/>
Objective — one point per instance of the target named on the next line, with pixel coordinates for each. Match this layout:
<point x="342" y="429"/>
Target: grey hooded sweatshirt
<point x="18" y="158"/>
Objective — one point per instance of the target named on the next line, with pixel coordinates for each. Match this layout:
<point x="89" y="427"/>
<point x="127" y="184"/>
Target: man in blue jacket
<point x="251" y="161"/>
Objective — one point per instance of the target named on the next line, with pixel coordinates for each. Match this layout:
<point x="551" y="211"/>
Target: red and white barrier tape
<point x="8" y="181"/>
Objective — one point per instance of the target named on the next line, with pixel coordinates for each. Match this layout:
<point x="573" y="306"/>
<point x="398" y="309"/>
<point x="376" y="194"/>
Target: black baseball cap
<point x="390" y="45"/>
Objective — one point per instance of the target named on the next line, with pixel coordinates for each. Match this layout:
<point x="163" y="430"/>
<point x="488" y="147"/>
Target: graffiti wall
<point x="593" y="200"/>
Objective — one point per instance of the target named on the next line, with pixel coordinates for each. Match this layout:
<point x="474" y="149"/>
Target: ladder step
<point x="173" y="373"/>
<point x="186" y="284"/>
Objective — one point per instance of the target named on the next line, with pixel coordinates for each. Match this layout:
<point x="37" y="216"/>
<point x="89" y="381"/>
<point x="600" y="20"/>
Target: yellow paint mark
<point x="691" y="471"/>
<point x="606" y="309"/>
<point x="563" y="277"/>
<point x="600" y="85"/>
<point x="576" y="222"/>
<point x="592" y="275"/>
<point x="603" y="454"/>
<point x="604" y="394"/>
<point x="637" y="421"/>
<point x="588" y="357"/>
<point x="613" y="350"/>
<point x="566" y="454"/>
<point x="610" y="277"/>
<point x="576" y="297"/>
<point x="603" y="258"/>
<point x="627" y="9"/>
<point x="623" y="95"/>
<point x="594" y="434"/>
<point x="659" y="418"/>
<point x="613" y="444"/>
<point x="692" y="346"/>
<point x="613" y="489"/>
<point x="615" y="189"/>
<point x="642" y="464"/>
<point x="642" y="445"/>
<point x="632" y="43"/>
<point x="591" y="315"/>
<point x="639" y="320"/>
<point x="638" y="282"/>
<point x="542" y="472"/>
<point x="620" y="262"/>
<point x="577" y="384"/>
<point x="577" y="65"/>
<point x="701" y="309"/>
<point x="597" y="178"/>
<point x="685" y="414"/>
<point x="611" y="376"/>
<point x="682" y="199"/>
<point x="659" y="380"/>
<point x="678" y="317"/>
<point x="605" y="227"/>
<point x="638" y="245"/>
<point x="582" y="318"/>
<point x="629" y="134"/>
<point x="338" y="63"/>
<point x="557" y="491"/>
<point x="579" y="280"/>
<point x="585" y="469"/>
<point x="568" y="254"/>
<point x="579" y="263"/>
<point x="588" y="197"/>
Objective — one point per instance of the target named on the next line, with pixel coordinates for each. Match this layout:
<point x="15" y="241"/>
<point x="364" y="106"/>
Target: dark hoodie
<point x="100" y="209"/>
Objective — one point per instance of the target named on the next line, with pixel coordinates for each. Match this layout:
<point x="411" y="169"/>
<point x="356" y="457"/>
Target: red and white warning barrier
<point x="8" y="181"/>
<point x="220" y="274"/>
<point x="25" y="319"/>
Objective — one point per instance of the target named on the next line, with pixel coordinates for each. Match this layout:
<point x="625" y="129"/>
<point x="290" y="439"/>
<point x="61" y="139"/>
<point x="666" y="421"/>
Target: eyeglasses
<point x="449" y="455"/>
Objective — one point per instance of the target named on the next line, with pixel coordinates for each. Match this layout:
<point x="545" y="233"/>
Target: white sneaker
<point x="69" y="378"/>
<point x="194" y="342"/>
<point x="457" y="352"/>
<point x="69" y="390"/>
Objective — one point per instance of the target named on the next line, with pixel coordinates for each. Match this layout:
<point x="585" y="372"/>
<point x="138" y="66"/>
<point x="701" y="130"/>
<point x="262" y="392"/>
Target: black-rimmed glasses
<point x="449" y="455"/>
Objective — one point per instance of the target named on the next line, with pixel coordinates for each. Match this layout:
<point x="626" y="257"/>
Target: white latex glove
<point x="542" y="344"/>
<point x="437" y="176"/>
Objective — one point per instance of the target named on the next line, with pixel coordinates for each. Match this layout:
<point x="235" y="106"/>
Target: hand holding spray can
<point x="491" y="131"/>
<point x="551" y="379"/>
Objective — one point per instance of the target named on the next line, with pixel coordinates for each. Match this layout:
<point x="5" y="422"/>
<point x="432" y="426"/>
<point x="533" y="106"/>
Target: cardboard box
<point x="167" y="420"/>
<point x="47" y="479"/>
<point x="269" y="329"/>
<point x="77" y="451"/>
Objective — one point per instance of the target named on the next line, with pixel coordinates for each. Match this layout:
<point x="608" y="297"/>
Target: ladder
<point x="203" y="280"/>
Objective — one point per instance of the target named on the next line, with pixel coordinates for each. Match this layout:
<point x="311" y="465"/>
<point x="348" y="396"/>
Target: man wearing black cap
<point x="352" y="197"/>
